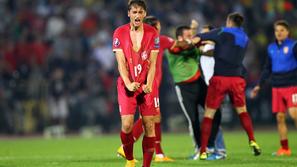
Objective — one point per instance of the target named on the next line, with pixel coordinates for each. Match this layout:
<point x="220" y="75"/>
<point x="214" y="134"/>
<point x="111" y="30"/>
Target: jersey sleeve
<point x="213" y="35"/>
<point x="166" y="42"/>
<point x="116" y="41"/>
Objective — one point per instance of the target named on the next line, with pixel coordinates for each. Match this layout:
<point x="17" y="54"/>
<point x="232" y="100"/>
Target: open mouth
<point x="137" y="20"/>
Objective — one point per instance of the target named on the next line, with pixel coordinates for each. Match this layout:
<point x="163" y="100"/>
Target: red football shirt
<point x="165" y="43"/>
<point x="138" y="62"/>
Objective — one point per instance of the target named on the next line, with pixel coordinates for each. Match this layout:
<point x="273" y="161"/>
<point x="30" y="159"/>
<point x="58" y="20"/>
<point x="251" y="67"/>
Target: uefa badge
<point x="157" y="42"/>
<point x="286" y="50"/>
<point x="144" y="55"/>
<point x="116" y="42"/>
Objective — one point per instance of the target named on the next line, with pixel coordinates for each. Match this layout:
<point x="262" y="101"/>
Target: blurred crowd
<point x="57" y="67"/>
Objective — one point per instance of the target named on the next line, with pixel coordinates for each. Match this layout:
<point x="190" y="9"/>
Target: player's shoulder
<point x="271" y="45"/>
<point x="122" y="28"/>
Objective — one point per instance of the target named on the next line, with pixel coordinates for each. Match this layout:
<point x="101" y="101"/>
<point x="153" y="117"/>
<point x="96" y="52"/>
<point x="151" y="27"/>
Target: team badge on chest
<point x="144" y="55"/>
<point x="286" y="50"/>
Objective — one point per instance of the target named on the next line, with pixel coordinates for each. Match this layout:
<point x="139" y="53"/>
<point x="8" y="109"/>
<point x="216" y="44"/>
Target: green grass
<point x="100" y="152"/>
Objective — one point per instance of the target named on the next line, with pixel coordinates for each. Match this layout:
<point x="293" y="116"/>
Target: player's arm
<point x="264" y="76"/>
<point x="213" y="35"/>
<point x="295" y="50"/>
<point x="194" y="25"/>
<point x="147" y="88"/>
<point x="124" y="73"/>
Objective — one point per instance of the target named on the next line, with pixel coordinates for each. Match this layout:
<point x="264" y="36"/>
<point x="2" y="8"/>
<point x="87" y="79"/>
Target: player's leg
<point x="187" y="95"/>
<point x="220" y="144"/>
<point x="202" y="92"/>
<point x="137" y="129"/>
<point x="160" y="156"/>
<point x="148" y="111"/>
<point x="293" y="114"/>
<point x="279" y="108"/>
<point x="148" y="142"/>
<point x="126" y="135"/>
<point x="237" y="95"/>
<point x="291" y="100"/>
<point x="283" y="133"/>
<point x="127" y="107"/>
<point x="136" y="132"/>
<point x="215" y="95"/>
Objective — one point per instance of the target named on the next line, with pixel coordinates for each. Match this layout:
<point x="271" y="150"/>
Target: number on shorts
<point x="157" y="102"/>
<point x="294" y="98"/>
<point x="137" y="70"/>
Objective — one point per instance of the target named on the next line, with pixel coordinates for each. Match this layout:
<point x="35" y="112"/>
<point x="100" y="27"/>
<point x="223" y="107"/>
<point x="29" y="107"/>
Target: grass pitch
<point x="100" y="151"/>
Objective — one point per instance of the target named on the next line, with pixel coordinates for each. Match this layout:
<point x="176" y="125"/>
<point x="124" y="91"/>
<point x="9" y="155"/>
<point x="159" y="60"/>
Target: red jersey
<point x="165" y="43"/>
<point x="137" y="62"/>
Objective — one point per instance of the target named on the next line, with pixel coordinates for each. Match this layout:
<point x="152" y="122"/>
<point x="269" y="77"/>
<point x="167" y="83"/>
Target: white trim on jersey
<point x="207" y="63"/>
<point x="116" y="50"/>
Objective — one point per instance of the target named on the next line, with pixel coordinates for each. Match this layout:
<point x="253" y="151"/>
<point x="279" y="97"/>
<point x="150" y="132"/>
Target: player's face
<point x="136" y="15"/>
<point x="280" y="32"/>
<point x="228" y="23"/>
<point x="187" y="34"/>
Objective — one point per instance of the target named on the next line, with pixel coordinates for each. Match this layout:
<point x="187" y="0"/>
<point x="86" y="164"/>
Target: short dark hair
<point x="208" y="27"/>
<point x="283" y="23"/>
<point x="236" y="18"/>
<point x="140" y="3"/>
<point x="180" y="30"/>
<point x="151" y="20"/>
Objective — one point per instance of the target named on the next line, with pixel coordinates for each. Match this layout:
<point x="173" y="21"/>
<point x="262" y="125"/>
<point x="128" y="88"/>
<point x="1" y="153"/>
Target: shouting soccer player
<point x="231" y="43"/>
<point x="136" y="46"/>
<point x="281" y="64"/>
<point x="165" y="43"/>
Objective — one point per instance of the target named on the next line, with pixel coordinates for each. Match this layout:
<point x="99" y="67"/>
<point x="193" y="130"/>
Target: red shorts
<point x="128" y="101"/>
<point x="283" y="98"/>
<point x="219" y="86"/>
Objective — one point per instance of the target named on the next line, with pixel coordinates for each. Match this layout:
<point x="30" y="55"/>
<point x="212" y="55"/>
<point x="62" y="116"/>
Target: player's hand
<point x="196" y="40"/>
<point x="255" y="91"/>
<point x="147" y="88"/>
<point x="133" y="86"/>
<point x="184" y="45"/>
<point x="194" y="24"/>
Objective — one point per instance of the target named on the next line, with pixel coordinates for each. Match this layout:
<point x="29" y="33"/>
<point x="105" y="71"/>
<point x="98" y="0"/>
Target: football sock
<point x="158" y="138"/>
<point x="148" y="147"/>
<point x="137" y="129"/>
<point x="246" y="123"/>
<point x="127" y="141"/>
<point x="285" y="144"/>
<point x="205" y="133"/>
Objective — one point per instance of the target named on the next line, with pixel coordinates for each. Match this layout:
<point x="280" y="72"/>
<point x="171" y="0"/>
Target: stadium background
<point x="62" y="48"/>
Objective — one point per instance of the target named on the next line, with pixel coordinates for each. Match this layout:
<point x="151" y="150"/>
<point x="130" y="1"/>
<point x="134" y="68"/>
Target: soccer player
<point x="136" y="46"/>
<point x="165" y="43"/>
<point x="282" y="66"/>
<point x="190" y="87"/>
<point x="207" y="67"/>
<point x="230" y="46"/>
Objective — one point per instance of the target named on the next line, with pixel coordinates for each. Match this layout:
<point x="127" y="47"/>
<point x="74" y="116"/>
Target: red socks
<point x="137" y="129"/>
<point x="158" y="138"/>
<point x="285" y="144"/>
<point x="246" y="123"/>
<point x="205" y="133"/>
<point x="148" y="147"/>
<point x="127" y="141"/>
